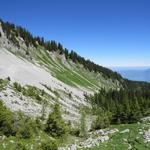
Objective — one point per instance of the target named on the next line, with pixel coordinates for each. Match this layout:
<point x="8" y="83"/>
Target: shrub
<point x="17" y="86"/>
<point x="27" y="127"/>
<point x="48" y="145"/>
<point x="30" y="91"/>
<point x="38" y="98"/>
<point x="4" y="83"/>
<point x="6" y="121"/>
<point x="75" y="132"/>
<point x="33" y="92"/>
<point x="20" y="146"/>
<point x="27" y="52"/>
<point x="39" y="124"/>
<point x="70" y="95"/>
<point x="83" y="131"/>
<point x="55" y="125"/>
<point x="17" y="124"/>
<point x="8" y="78"/>
<point x="102" y="121"/>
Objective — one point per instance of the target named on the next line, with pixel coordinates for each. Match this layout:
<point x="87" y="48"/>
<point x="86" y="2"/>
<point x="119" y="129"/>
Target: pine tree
<point x="54" y="46"/>
<point x="60" y="48"/>
<point x="55" y="125"/>
<point x="66" y="53"/>
<point x="83" y="131"/>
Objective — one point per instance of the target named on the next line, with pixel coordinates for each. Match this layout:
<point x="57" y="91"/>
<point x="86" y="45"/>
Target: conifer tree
<point x="83" y="130"/>
<point x="55" y="125"/>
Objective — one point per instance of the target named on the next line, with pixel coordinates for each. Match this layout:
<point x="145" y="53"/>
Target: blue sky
<point x="109" y="32"/>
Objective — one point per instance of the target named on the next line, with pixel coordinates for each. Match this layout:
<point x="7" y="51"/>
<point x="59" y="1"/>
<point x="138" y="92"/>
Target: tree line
<point x="12" y="32"/>
<point x="124" y="106"/>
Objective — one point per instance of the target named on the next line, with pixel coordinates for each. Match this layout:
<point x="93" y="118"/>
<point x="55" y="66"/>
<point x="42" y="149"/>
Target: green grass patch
<point x="4" y="83"/>
<point x="121" y="141"/>
<point x="33" y="92"/>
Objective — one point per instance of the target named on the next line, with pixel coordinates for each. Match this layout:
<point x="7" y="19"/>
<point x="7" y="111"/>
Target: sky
<point x="108" y="32"/>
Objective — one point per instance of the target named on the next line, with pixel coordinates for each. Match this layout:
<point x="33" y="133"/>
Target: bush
<point x="102" y="121"/>
<point x="20" y="146"/>
<point x="33" y="92"/>
<point x="17" y="86"/>
<point x="27" y="127"/>
<point x="55" y="125"/>
<point x="4" y="83"/>
<point x="27" y="52"/>
<point x="83" y="131"/>
<point x="75" y="132"/>
<point x="8" y="78"/>
<point x="48" y="145"/>
<point x="12" y="125"/>
<point x="39" y="124"/>
<point x="6" y="121"/>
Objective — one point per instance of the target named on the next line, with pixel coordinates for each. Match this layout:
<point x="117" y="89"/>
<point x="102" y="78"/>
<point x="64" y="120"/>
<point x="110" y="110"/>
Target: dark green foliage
<point x="39" y="40"/>
<point x="30" y="91"/>
<point x="39" y="124"/>
<point x="70" y="95"/>
<point x="6" y="121"/>
<point x="103" y="119"/>
<point x="60" y="48"/>
<point x="75" y="131"/>
<point x="13" y="31"/>
<point x="26" y="127"/>
<point x="20" y="146"/>
<point x="66" y="53"/>
<point x="48" y="145"/>
<point x="53" y="46"/>
<point x="136" y="85"/>
<point x="8" y="78"/>
<point x="17" y="86"/>
<point x="16" y="124"/>
<point x="4" y="83"/>
<point x="83" y="129"/>
<point x="126" y="106"/>
<point x="55" y="125"/>
<point x="43" y="111"/>
<point x="73" y="56"/>
<point x="27" y="52"/>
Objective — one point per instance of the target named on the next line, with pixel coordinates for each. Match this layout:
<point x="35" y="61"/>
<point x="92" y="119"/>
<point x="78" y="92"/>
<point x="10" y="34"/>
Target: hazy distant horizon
<point x="128" y="67"/>
<point x="134" y="73"/>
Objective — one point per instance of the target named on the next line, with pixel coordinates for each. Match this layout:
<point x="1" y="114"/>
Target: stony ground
<point x="122" y="137"/>
<point x="118" y="137"/>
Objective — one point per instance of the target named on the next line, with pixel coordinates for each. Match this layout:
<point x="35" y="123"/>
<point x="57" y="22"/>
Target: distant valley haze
<point x="134" y="73"/>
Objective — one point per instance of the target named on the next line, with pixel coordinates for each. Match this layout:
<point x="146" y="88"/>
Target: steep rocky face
<point x="26" y="73"/>
<point x="62" y="80"/>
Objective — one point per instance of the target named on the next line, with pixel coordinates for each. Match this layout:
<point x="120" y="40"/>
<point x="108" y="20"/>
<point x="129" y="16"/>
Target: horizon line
<point x="127" y="66"/>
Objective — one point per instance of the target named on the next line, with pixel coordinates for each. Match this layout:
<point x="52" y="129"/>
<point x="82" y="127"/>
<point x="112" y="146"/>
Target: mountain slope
<point x="35" y="75"/>
<point x="62" y="79"/>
